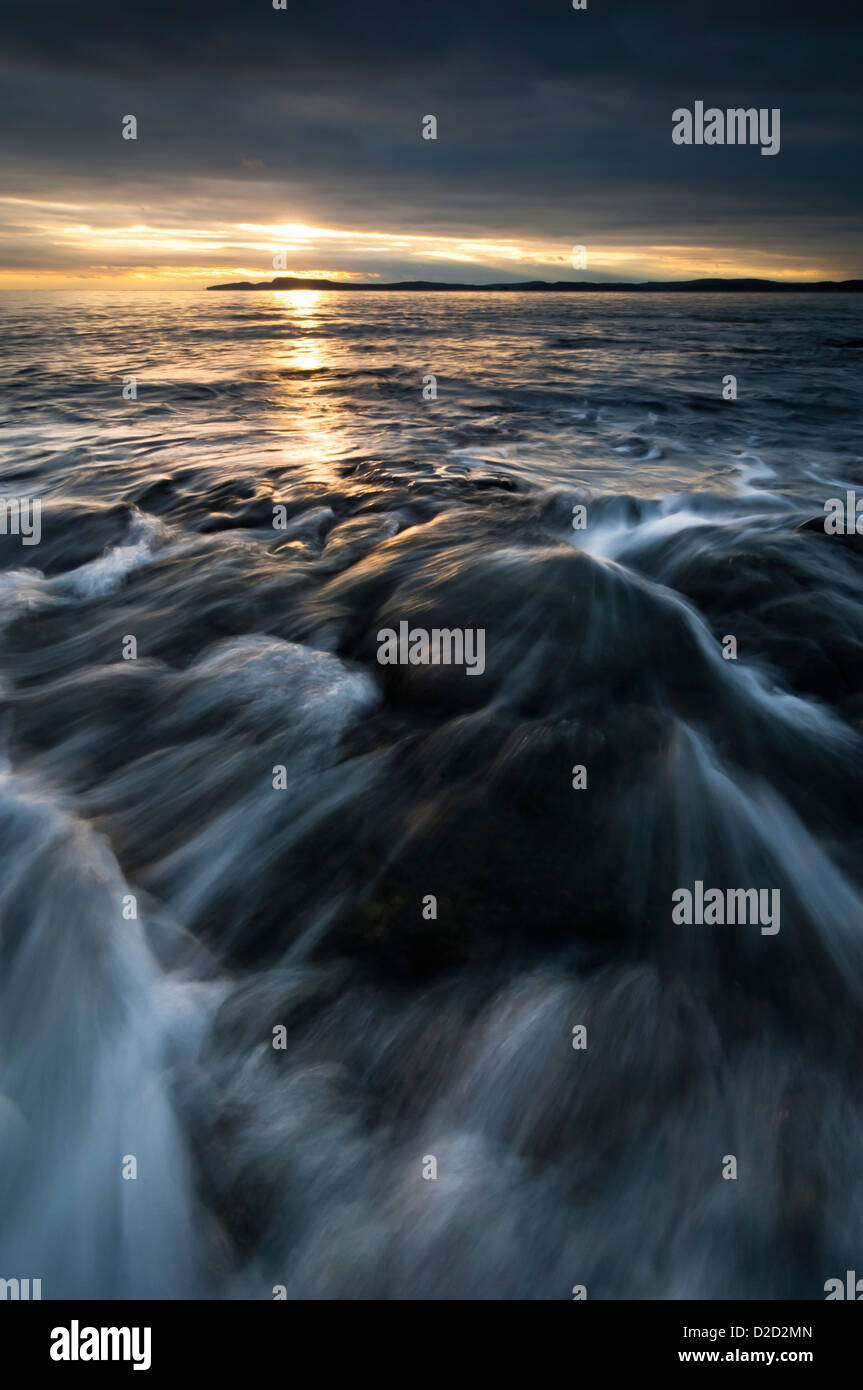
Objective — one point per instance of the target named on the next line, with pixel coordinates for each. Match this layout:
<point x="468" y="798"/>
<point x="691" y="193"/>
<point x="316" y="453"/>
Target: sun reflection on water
<point x="318" y="426"/>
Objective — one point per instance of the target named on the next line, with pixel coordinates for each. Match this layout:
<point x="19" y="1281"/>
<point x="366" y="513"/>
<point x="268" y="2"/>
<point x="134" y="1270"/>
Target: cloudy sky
<point x="299" y="130"/>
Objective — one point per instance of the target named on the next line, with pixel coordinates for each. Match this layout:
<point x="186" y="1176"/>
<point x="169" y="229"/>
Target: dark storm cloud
<point x="553" y="123"/>
<point x="789" y="41"/>
<point x="344" y="52"/>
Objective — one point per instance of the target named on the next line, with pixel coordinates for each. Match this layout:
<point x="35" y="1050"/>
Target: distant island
<point x="289" y="282"/>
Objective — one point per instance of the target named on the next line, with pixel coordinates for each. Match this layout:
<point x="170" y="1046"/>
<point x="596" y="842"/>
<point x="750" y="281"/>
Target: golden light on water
<point x="300" y="299"/>
<point x="305" y="353"/>
<point x="314" y="431"/>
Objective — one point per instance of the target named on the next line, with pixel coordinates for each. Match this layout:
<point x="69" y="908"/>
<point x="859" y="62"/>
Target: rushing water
<point x="164" y="907"/>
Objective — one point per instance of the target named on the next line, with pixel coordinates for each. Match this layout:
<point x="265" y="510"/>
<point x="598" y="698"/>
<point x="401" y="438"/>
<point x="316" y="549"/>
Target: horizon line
<point x="740" y="284"/>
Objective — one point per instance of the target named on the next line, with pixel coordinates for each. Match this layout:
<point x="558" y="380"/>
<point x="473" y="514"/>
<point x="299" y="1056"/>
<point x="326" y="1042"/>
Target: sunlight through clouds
<point x="103" y="248"/>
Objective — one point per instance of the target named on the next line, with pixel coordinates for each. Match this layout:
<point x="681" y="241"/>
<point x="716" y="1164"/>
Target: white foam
<point x="106" y="574"/>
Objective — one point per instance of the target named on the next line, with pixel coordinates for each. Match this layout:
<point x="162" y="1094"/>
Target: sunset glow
<point x="78" y="245"/>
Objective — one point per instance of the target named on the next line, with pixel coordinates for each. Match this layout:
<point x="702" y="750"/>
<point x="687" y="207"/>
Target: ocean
<point x="325" y="977"/>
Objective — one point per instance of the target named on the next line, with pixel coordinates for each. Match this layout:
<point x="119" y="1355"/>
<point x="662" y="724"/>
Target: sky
<point x="299" y="131"/>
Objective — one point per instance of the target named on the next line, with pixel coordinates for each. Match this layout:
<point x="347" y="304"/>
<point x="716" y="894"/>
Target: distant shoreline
<point x="288" y="282"/>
